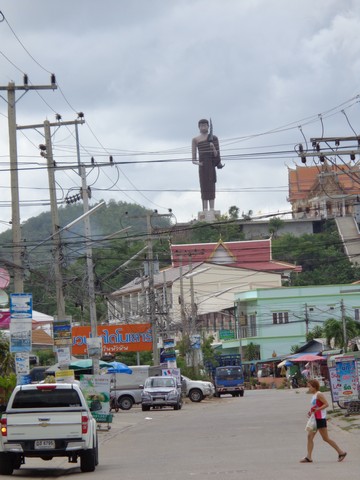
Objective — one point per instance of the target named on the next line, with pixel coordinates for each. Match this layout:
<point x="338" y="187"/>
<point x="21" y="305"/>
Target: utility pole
<point x="151" y="288"/>
<point x="90" y="266"/>
<point x="306" y="320"/>
<point x="237" y="310"/>
<point x="152" y="315"/>
<point x="343" y="319"/>
<point x="59" y="284"/>
<point x="182" y="300"/>
<point x="193" y="322"/>
<point x="11" y="88"/>
<point x="46" y="151"/>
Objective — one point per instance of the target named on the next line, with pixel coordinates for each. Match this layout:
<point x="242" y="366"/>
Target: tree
<point x="247" y="216"/>
<point x="316" y="332"/>
<point x="321" y="257"/>
<point x="207" y="349"/>
<point x="295" y="348"/>
<point x="7" y="384"/>
<point x="275" y="224"/>
<point x="334" y="331"/>
<point x="251" y="352"/>
<point x="234" y="212"/>
<point x="7" y="363"/>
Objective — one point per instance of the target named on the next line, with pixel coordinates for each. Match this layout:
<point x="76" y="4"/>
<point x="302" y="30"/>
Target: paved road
<point x="259" y="436"/>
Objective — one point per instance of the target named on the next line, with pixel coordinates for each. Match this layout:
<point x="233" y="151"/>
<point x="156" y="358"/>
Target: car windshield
<point x="160" y="382"/>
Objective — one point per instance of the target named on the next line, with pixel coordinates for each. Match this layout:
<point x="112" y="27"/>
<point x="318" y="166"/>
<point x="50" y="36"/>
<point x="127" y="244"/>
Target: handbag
<point x="311" y="424"/>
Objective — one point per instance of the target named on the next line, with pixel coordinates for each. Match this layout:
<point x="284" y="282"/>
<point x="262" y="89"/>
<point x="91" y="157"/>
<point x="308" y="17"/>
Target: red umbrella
<point x="308" y="357"/>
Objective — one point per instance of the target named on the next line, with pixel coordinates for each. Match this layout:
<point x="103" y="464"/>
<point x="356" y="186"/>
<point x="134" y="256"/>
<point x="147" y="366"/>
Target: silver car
<point x="161" y="392"/>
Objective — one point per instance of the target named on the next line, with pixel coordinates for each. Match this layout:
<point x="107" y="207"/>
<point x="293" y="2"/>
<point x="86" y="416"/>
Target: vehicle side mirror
<point x="141" y="386"/>
<point x="2" y="408"/>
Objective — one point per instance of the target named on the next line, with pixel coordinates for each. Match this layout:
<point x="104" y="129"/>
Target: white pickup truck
<point x="196" y="390"/>
<point x="46" y="421"/>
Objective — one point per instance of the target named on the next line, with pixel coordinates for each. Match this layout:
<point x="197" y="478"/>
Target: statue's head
<point x="203" y="120"/>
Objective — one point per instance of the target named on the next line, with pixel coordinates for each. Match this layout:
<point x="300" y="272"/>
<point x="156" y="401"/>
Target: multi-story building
<point x="197" y="292"/>
<point x="275" y="319"/>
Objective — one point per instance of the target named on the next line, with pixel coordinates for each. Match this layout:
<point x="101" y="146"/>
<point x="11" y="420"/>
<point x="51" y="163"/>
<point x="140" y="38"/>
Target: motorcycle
<point x="294" y="382"/>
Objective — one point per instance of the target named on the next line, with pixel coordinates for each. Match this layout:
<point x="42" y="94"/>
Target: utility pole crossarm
<point x="52" y="124"/>
<point x="12" y="86"/>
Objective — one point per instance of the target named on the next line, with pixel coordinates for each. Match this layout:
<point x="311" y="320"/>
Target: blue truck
<point x="227" y="375"/>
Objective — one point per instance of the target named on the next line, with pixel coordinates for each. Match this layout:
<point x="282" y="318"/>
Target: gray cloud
<point x="145" y="72"/>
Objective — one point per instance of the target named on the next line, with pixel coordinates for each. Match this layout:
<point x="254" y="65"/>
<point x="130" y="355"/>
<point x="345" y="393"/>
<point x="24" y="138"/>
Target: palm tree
<point x="316" y="332"/>
<point x="334" y="331"/>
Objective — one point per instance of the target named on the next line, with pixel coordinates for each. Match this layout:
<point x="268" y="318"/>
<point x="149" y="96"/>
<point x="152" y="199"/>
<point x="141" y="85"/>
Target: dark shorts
<point x="321" y="423"/>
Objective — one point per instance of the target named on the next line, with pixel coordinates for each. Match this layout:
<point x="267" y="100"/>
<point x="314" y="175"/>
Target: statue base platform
<point x="209" y="215"/>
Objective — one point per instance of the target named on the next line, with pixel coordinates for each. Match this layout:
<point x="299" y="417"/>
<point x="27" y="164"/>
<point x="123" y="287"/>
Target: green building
<point x="275" y="319"/>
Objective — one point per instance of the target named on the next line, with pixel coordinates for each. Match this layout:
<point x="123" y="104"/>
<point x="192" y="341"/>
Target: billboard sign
<point x="115" y="338"/>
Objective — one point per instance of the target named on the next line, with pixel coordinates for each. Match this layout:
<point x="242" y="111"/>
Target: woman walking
<point x="319" y="405"/>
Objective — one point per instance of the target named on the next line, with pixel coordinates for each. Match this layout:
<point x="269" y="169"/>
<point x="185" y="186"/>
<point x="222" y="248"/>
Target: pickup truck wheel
<point x="6" y="464"/>
<point x="242" y="393"/>
<point x="125" y="402"/>
<point x="145" y="408"/>
<point x="17" y="462"/>
<point x="88" y="460"/>
<point x="177" y="406"/>
<point x="196" y="395"/>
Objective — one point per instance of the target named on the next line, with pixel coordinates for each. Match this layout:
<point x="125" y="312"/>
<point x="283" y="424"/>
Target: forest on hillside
<point x="321" y="256"/>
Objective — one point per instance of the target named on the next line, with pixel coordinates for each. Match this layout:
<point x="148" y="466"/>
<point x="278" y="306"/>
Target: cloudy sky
<point x="270" y="74"/>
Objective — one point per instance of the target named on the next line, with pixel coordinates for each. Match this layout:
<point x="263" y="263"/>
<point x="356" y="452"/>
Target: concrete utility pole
<point x="152" y="315"/>
<point x="343" y="319"/>
<point x="46" y="151"/>
<point x="15" y="202"/>
<point x="151" y="287"/>
<point x="193" y="319"/>
<point x="182" y="299"/>
<point x="238" y="314"/>
<point x="90" y="266"/>
<point x="59" y="284"/>
<point x="306" y="320"/>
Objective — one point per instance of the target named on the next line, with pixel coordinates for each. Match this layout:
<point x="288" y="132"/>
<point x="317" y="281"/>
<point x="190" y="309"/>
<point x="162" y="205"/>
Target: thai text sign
<point x="115" y="338"/>
<point x="226" y="334"/>
<point x="347" y="378"/>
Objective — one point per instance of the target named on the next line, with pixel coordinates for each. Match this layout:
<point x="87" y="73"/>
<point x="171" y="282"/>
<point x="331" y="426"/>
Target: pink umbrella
<point x="308" y="357"/>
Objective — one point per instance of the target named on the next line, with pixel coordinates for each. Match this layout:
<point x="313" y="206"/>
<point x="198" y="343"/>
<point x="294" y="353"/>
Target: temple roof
<point x="304" y="180"/>
<point x="251" y="254"/>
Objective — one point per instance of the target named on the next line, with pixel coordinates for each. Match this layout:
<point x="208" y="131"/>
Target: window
<point x="357" y="314"/>
<point x="60" y="398"/>
<point x="280" y="317"/>
<point x="252" y="325"/>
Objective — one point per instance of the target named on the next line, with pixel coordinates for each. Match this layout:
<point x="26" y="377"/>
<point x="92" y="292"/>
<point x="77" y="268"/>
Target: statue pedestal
<point x="209" y="215"/>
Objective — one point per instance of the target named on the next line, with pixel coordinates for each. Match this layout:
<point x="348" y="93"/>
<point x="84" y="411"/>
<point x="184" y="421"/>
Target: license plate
<point x="44" y="444"/>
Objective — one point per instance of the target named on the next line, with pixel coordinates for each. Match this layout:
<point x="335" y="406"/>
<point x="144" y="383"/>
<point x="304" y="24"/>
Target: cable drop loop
<point x="2" y="16"/>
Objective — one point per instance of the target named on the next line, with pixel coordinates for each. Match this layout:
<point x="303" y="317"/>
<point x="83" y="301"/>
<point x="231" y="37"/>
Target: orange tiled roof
<point x="40" y="337"/>
<point x="304" y="179"/>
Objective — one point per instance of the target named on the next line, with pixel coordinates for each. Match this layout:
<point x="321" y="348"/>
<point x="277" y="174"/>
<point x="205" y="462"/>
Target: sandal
<point x="342" y="456"/>
<point x="307" y="460"/>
